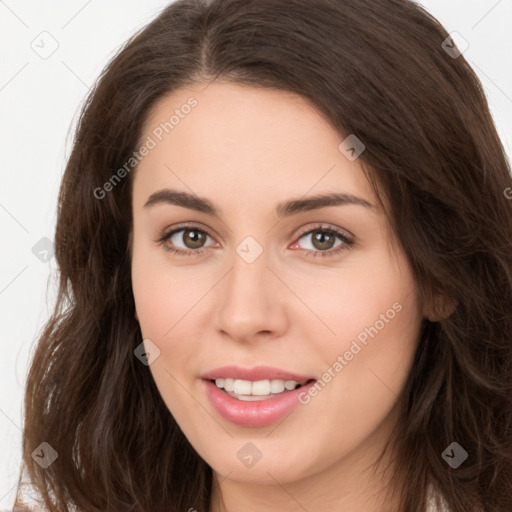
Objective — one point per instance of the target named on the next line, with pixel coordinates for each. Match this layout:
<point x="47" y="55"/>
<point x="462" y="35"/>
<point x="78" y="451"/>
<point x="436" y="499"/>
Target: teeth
<point x="242" y="387"/>
<point x="277" y="386"/>
<point x="228" y="384"/>
<point x="290" y="384"/>
<point x="249" y="388"/>
<point x="259" y="388"/>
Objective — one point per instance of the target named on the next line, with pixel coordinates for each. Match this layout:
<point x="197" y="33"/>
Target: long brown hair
<point x="376" y="69"/>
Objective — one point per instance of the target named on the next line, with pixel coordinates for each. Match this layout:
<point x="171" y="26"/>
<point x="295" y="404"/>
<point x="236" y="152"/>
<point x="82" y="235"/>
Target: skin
<point x="246" y="150"/>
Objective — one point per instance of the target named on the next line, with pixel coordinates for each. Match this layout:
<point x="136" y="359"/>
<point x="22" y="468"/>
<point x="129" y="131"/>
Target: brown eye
<point x="323" y="240"/>
<point x="193" y="238"/>
<point x="184" y="240"/>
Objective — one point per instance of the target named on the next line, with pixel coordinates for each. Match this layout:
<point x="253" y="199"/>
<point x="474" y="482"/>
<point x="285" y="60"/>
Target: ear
<point x="440" y="308"/>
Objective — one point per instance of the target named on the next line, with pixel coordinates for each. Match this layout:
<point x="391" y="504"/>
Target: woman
<point x="285" y="255"/>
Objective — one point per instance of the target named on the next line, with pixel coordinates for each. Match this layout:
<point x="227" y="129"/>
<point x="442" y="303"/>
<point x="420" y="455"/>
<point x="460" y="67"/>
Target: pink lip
<point x="254" y="414"/>
<point x="254" y="374"/>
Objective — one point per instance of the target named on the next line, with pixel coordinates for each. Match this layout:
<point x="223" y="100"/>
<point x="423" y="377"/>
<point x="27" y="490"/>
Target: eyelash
<point x="346" y="245"/>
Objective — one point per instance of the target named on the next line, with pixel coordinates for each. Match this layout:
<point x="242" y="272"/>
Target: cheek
<point x="162" y="318"/>
<point x="162" y="300"/>
<point x="163" y="295"/>
<point x="375" y="323"/>
<point x="373" y="297"/>
<point x="159" y="306"/>
<point x="167" y="300"/>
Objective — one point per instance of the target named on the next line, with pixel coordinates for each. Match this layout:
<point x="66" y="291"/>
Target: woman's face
<point x="274" y="282"/>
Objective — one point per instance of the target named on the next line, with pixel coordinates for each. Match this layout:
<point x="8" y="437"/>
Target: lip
<point x="255" y="413"/>
<point x="254" y="374"/>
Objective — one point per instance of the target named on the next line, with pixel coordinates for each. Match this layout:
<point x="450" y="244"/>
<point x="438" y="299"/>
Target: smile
<point x="256" y="390"/>
<point x="247" y="406"/>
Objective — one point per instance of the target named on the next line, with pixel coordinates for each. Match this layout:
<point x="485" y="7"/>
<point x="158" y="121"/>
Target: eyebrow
<point x="284" y="209"/>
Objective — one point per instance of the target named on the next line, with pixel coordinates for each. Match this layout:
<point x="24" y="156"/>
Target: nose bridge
<point x="248" y="298"/>
<point x="248" y="278"/>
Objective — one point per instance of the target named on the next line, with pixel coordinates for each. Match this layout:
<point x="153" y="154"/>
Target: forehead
<point x="253" y="142"/>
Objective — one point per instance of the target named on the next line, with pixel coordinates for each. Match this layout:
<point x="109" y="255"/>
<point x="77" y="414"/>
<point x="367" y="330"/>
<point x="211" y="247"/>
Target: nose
<point x="250" y="302"/>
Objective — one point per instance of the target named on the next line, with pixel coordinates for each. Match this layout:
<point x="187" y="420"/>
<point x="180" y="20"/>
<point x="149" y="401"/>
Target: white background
<point x="39" y="103"/>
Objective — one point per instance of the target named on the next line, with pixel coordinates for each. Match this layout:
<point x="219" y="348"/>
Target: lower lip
<point x="254" y="414"/>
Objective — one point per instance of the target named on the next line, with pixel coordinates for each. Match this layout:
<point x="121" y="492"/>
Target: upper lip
<point x="254" y="374"/>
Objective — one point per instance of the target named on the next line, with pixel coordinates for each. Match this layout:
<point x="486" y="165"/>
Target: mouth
<point x="255" y="403"/>
<point x="252" y="391"/>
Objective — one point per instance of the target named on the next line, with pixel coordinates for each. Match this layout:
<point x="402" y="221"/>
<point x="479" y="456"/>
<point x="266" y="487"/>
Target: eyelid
<point x="183" y="226"/>
<point x="324" y="226"/>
